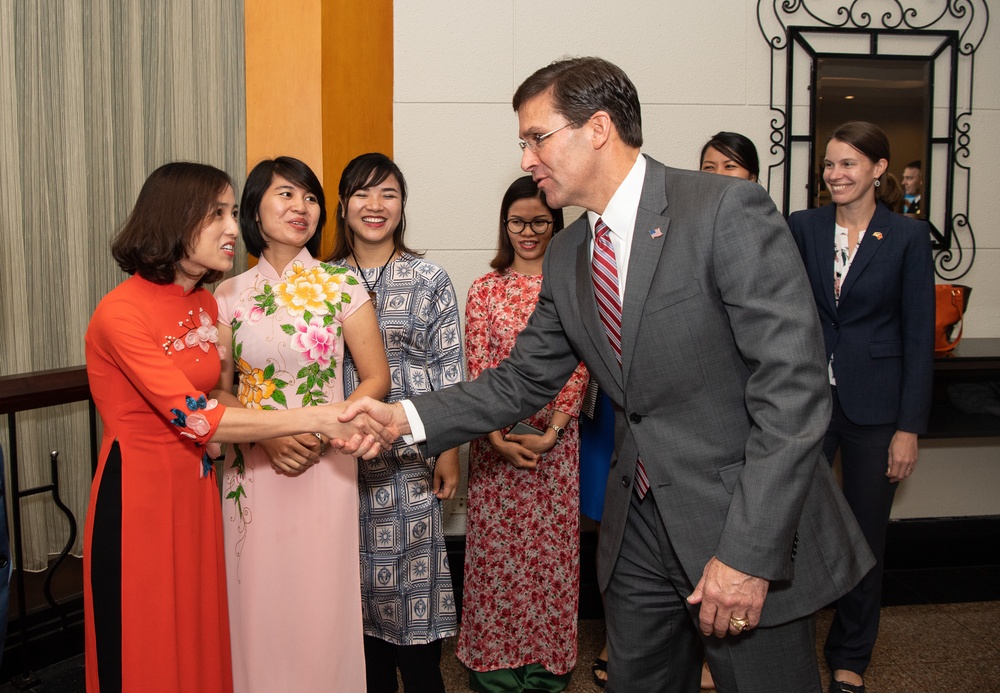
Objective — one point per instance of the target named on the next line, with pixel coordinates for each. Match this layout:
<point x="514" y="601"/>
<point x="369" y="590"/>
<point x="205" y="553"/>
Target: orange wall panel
<point x="284" y="48"/>
<point x="319" y="85"/>
<point x="357" y="86"/>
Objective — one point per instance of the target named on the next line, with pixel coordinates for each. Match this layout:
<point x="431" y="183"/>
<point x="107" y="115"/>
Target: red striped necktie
<point x="609" y="306"/>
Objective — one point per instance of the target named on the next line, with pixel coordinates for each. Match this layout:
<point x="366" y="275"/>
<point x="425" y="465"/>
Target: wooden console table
<point x="973" y="360"/>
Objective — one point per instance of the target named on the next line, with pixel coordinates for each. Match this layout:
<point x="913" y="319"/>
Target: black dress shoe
<point x="844" y="687"/>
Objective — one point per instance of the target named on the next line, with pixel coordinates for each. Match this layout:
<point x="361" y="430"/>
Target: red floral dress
<point x="523" y="534"/>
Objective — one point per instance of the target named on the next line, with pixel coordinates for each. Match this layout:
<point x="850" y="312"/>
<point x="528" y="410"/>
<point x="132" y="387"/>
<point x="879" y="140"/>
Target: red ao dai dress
<point x="153" y="573"/>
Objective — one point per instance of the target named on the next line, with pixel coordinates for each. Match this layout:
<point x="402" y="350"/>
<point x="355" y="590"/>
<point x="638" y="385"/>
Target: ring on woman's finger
<point x="740" y="624"/>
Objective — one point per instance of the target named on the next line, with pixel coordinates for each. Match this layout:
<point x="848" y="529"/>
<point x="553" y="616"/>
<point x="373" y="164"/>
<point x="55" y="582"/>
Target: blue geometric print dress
<point x="406" y="590"/>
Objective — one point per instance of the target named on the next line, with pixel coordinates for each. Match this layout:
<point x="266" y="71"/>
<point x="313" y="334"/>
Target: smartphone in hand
<point x="523" y="429"/>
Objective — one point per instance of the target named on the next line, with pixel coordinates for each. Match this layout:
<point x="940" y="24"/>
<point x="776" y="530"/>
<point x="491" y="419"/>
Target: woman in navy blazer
<point x="873" y="281"/>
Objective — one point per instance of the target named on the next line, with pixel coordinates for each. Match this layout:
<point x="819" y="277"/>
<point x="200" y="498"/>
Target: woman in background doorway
<point x="872" y="279"/>
<point x="730" y="154"/>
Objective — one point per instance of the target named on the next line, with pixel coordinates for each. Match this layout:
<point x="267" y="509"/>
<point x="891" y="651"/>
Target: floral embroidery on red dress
<point x="201" y="335"/>
<point x="198" y="426"/>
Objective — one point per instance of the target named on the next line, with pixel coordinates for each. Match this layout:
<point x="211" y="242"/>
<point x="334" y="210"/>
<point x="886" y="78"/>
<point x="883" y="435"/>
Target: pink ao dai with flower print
<point x="291" y="541"/>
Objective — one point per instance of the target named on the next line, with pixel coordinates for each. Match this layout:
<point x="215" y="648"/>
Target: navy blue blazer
<point x="882" y="333"/>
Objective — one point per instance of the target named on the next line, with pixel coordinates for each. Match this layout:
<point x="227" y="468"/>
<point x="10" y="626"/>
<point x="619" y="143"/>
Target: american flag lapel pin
<point x="655" y="233"/>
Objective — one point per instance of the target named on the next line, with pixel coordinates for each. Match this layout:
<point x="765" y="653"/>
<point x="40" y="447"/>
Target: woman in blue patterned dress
<point x="407" y="599"/>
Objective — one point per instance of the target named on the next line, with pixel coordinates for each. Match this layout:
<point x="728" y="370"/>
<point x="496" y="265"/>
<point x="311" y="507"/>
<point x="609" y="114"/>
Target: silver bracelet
<point x="323" y="447"/>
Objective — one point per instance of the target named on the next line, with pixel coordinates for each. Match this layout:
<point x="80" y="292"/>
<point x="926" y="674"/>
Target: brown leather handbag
<point x="952" y="302"/>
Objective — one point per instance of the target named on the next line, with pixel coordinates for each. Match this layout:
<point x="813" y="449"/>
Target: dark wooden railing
<point x="20" y="393"/>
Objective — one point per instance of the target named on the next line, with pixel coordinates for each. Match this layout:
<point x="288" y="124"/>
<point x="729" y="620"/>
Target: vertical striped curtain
<point x="94" y="94"/>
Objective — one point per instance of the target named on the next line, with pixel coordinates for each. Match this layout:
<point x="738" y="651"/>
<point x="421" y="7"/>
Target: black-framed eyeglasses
<point x="517" y="225"/>
<point x="535" y="141"/>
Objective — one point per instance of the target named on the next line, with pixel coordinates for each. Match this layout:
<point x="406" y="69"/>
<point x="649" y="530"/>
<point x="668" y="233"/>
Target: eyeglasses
<point x="517" y="226"/>
<point x="535" y="141"/>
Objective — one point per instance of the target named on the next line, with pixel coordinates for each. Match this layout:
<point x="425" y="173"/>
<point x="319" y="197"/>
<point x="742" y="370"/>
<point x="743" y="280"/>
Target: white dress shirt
<point x="619" y="217"/>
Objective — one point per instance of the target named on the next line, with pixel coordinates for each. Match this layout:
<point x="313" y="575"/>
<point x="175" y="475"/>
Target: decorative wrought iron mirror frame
<point x="958" y="27"/>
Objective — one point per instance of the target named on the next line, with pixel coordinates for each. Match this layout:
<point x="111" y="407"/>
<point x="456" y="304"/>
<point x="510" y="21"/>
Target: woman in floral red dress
<point x="519" y="614"/>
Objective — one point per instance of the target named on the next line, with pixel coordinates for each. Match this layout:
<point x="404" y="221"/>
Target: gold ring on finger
<point x="740" y="624"/>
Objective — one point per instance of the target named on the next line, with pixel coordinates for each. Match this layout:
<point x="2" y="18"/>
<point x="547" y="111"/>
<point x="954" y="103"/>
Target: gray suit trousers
<point x="654" y="644"/>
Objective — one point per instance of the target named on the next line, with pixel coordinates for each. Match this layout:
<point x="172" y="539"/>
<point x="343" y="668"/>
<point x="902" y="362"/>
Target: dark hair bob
<point x="171" y="209"/>
<point x="260" y="179"/>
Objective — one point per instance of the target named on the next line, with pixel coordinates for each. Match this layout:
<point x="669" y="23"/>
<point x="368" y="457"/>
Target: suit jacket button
<point x="635" y="418"/>
<point x="835" y="325"/>
<point x="625" y="481"/>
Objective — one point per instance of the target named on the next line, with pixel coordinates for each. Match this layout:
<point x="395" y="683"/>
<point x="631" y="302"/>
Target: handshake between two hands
<point x="367" y="427"/>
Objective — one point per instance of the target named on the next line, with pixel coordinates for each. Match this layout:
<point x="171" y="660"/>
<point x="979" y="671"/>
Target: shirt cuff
<point x="417" y="433"/>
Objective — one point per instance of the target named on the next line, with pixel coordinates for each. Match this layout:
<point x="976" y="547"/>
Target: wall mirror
<point x="907" y="68"/>
<point x="896" y="94"/>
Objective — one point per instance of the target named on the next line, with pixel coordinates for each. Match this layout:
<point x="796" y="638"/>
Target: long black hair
<point x="363" y="172"/>
<point x="737" y="147"/>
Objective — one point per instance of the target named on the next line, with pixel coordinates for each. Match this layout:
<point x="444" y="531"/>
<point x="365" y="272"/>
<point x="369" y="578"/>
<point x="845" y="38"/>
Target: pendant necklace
<point x="378" y="277"/>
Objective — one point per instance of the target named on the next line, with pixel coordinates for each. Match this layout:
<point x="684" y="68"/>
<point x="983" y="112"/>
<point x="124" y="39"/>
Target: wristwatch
<point x="559" y="431"/>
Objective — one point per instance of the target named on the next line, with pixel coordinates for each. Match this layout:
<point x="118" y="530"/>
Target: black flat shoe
<point x="844" y="687"/>
<point x="599" y="665"/>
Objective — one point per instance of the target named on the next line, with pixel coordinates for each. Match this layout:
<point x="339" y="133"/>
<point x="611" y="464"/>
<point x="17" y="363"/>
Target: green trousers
<point x="530" y="677"/>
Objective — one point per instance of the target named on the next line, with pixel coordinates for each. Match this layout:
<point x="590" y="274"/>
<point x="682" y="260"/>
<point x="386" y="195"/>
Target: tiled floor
<point x="947" y="648"/>
<point x="940" y="633"/>
<point x="930" y="648"/>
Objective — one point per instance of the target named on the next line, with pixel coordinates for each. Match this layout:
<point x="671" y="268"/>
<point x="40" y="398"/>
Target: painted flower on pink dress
<point x="307" y="289"/>
<point x="255" y="315"/>
<point x="315" y="341"/>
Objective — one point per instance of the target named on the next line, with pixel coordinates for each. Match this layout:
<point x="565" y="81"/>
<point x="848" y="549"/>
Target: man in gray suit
<point x="721" y="515"/>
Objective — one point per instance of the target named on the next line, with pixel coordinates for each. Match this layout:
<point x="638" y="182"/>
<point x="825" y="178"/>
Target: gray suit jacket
<point x="722" y="391"/>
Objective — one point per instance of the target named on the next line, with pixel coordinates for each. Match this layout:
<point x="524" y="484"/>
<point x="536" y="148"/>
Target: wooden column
<point x="319" y="85"/>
